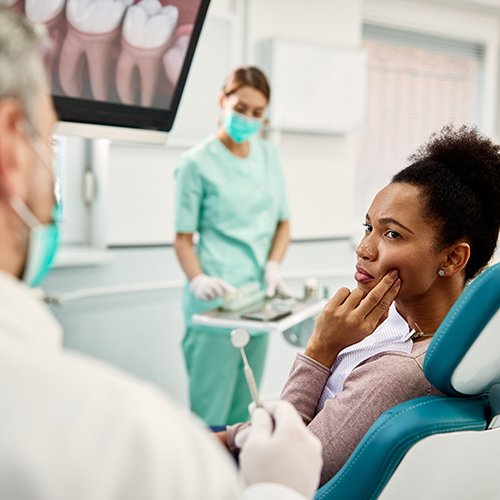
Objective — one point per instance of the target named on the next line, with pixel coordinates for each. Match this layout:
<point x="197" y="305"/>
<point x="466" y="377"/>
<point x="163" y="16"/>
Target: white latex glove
<point x="205" y="287"/>
<point x="289" y="454"/>
<point x="241" y="436"/>
<point x="274" y="281"/>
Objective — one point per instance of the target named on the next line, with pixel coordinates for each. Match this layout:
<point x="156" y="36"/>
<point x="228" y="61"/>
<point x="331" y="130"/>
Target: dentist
<point x="231" y="191"/>
<point x="73" y="427"/>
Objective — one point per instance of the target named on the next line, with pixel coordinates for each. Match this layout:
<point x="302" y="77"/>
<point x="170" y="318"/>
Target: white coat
<point x="75" y="428"/>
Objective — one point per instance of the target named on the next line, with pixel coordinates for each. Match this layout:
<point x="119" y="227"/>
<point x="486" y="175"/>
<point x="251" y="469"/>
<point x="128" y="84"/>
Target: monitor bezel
<point x="92" y="112"/>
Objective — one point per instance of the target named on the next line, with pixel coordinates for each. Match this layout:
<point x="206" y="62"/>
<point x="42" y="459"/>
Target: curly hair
<point x="458" y="171"/>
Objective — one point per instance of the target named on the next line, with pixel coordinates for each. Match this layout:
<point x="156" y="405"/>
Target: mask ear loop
<point x="36" y="143"/>
<point x="24" y="213"/>
<point x="37" y="146"/>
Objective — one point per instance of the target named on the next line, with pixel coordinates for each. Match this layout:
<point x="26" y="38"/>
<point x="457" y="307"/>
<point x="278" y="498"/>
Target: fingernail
<point x="394" y="273"/>
<point x="397" y="282"/>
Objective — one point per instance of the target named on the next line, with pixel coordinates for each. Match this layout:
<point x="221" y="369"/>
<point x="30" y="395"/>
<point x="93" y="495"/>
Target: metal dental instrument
<point x="239" y="339"/>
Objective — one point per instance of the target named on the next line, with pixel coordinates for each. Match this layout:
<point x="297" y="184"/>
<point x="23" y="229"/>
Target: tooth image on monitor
<point x="119" y="63"/>
<point x="50" y="13"/>
<point x="44" y="12"/>
<point x="147" y="33"/>
<point x="173" y="59"/>
<point x="88" y="51"/>
<point x="174" y="56"/>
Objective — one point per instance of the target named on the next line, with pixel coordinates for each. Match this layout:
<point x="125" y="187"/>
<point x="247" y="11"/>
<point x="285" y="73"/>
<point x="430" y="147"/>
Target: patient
<point x="428" y="232"/>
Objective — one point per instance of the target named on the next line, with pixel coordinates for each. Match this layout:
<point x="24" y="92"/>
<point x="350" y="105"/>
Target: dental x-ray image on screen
<point x="118" y="62"/>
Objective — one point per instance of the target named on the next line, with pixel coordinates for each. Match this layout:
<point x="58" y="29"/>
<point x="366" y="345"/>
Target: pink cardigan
<point x="377" y="384"/>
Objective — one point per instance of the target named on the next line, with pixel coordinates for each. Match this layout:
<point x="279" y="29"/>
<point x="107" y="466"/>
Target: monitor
<point x="118" y="63"/>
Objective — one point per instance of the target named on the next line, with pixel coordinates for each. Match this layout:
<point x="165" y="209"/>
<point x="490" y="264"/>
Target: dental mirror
<point x="240" y="338"/>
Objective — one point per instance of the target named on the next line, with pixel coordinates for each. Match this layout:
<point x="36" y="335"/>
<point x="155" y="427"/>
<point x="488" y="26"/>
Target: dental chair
<point x="440" y="447"/>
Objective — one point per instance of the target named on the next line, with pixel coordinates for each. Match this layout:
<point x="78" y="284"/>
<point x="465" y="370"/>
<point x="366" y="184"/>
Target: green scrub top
<point x="235" y="205"/>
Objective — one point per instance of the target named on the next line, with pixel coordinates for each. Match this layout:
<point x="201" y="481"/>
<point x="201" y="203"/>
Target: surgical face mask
<point x="43" y="243"/>
<point x="43" y="238"/>
<point x="239" y="127"/>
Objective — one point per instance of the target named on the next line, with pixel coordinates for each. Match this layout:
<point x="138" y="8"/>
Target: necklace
<point x="417" y="333"/>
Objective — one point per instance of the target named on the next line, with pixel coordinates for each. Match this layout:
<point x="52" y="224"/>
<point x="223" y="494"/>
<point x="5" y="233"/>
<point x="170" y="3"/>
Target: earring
<point x="441" y="273"/>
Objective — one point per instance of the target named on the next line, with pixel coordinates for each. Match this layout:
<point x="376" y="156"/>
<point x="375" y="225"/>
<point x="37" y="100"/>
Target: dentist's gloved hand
<point x="274" y="281"/>
<point x="205" y="287"/>
<point x="280" y="449"/>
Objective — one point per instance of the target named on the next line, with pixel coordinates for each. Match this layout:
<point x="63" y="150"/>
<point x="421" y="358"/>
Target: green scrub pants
<point x="218" y="391"/>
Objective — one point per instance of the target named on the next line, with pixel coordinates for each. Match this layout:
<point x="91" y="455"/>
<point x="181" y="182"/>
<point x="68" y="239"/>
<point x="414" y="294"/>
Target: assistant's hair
<point x="22" y="74"/>
<point x="247" y="76"/>
<point x="458" y="171"/>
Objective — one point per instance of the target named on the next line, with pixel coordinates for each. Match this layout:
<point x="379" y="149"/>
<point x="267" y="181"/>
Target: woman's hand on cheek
<point x="349" y="317"/>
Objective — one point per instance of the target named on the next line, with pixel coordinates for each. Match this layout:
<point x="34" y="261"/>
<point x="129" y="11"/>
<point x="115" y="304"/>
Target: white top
<point x="75" y="428"/>
<point x="389" y="336"/>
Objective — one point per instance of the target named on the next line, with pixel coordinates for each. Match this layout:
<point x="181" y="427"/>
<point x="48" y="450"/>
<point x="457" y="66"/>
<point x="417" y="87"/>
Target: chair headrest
<point x="463" y="358"/>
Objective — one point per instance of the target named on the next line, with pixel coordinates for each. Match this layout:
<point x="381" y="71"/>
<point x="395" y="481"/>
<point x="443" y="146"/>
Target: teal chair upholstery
<point x="463" y="362"/>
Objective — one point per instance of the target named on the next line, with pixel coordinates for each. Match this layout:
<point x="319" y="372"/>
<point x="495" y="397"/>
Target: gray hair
<point x="22" y="73"/>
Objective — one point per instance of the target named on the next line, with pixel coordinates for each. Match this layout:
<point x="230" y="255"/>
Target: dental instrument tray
<point x="244" y="297"/>
<point x="267" y="314"/>
<point x="251" y="296"/>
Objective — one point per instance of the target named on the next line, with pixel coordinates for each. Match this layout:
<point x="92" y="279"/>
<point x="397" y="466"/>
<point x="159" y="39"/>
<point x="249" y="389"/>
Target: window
<point x="416" y="84"/>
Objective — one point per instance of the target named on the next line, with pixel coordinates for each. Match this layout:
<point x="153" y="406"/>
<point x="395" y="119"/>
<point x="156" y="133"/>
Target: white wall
<point x="141" y="332"/>
<point x="317" y="166"/>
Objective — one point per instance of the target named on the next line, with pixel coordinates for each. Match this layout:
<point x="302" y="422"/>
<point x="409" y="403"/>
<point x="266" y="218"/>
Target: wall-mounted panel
<point x="320" y="86"/>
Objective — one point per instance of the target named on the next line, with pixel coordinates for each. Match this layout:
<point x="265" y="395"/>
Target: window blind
<point x="416" y="84"/>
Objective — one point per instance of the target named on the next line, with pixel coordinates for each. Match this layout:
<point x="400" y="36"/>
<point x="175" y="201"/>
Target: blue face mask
<point x="239" y="127"/>
<point x="43" y="239"/>
<point x="43" y="242"/>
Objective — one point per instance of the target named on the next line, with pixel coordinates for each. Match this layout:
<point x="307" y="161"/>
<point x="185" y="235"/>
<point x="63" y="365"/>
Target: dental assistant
<point x="231" y="191"/>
